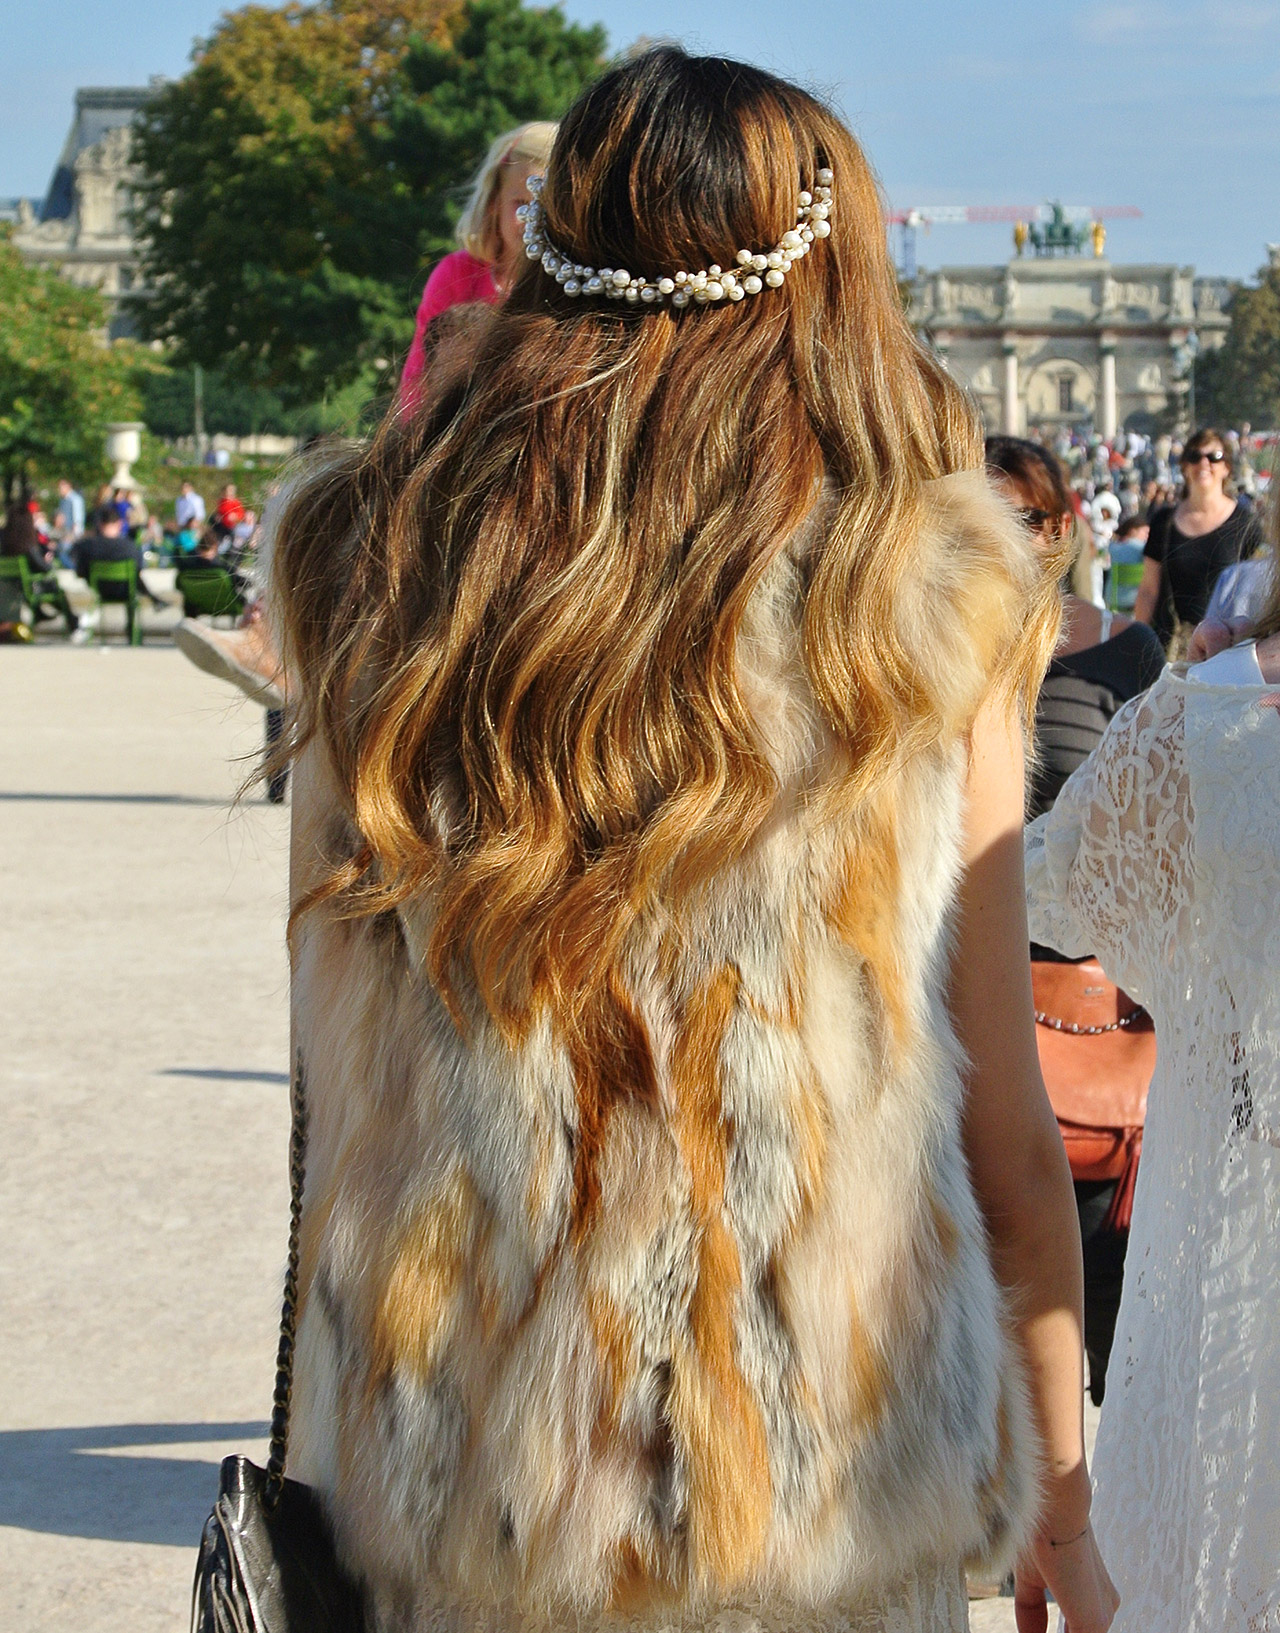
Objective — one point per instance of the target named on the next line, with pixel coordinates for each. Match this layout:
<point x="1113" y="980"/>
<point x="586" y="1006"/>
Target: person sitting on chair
<point x="107" y="542"/>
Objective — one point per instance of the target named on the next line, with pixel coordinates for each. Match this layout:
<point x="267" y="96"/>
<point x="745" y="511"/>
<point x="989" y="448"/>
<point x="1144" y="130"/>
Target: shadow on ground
<point x="58" y="1480"/>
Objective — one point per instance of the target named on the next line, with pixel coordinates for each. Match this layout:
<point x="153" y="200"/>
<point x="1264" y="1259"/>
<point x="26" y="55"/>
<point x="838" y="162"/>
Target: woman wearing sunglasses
<point x="1191" y="542"/>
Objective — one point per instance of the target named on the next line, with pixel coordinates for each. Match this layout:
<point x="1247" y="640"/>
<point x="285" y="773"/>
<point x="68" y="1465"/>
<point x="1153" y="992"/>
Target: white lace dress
<point x="1162" y="855"/>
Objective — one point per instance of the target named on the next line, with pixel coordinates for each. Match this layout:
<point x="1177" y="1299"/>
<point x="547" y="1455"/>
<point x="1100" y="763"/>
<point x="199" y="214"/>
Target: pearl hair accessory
<point x="754" y="271"/>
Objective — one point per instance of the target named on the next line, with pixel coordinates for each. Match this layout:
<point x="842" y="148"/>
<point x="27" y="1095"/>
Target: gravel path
<point x="143" y="1120"/>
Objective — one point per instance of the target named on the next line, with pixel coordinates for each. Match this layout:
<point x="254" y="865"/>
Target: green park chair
<point x="1126" y="576"/>
<point x="38" y="590"/>
<point x="118" y="573"/>
<point x="209" y="590"/>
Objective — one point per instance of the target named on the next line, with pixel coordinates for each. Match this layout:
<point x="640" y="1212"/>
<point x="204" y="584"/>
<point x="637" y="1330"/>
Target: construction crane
<point x="1050" y="229"/>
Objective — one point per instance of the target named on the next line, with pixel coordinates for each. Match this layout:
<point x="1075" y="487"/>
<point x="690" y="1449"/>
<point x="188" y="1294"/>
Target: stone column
<point x="1107" y="402"/>
<point x="1010" y="418"/>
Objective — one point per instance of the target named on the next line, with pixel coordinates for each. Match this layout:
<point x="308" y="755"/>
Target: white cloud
<point x="1191" y="26"/>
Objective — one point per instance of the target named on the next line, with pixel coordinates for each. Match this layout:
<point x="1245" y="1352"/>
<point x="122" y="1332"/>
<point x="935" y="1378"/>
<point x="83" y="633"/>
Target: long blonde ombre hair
<point x="512" y="618"/>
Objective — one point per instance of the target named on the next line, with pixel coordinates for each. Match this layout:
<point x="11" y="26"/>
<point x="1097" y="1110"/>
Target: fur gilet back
<point x="727" y="1333"/>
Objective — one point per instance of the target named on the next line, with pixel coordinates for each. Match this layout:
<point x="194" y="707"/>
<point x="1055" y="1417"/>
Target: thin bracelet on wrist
<point x="1067" y="1542"/>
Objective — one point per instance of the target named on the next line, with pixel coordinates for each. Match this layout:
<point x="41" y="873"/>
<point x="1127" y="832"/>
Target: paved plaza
<point x="143" y="1126"/>
<point x="143" y="1122"/>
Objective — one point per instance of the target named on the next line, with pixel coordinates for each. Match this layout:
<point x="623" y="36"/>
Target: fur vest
<point x="732" y="1340"/>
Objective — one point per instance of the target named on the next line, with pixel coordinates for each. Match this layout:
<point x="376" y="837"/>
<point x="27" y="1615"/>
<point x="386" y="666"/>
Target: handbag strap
<point x="279" y="1444"/>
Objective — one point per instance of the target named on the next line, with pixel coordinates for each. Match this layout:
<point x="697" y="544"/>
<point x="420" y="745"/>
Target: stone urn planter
<point x="124" y="445"/>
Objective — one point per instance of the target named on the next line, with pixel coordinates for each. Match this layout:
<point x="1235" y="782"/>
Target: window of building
<point x="1066" y="394"/>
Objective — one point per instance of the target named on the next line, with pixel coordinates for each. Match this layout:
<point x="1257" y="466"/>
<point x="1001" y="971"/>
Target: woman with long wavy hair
<point x="686" y="1230"/>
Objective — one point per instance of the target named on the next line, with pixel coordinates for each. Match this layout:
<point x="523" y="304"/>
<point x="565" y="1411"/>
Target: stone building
<point x="82" y="226"/>
<point x="1075" y="341"/>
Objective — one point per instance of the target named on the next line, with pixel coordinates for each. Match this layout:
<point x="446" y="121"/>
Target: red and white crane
<point x="910" y="220"/>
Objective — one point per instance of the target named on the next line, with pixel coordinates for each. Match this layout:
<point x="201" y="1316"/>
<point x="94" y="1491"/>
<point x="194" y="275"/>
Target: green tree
<point x="1241" y="381"/>
<point x="61" y="384"/>
<point x="502" y="65"/>
<point x="230" y="405"/>
<point x="298" y="181"/>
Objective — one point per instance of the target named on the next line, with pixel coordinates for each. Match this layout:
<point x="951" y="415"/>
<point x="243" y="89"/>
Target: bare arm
<point x="1144" y="608"/>
<point x="1021" y="1176"/>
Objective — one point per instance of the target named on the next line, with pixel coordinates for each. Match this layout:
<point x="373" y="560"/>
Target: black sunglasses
<point x="1036" y="519"/>
<point x="1213" y="458"/>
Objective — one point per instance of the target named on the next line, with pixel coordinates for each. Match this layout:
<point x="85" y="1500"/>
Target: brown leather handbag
<point x="1097" y="1053"/>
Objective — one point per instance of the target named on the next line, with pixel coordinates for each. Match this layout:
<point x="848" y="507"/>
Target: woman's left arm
<point x="1021" y="1176"/>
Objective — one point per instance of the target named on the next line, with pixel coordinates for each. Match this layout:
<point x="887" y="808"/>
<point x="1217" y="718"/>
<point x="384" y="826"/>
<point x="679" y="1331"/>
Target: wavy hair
<point x="512" y="619"/>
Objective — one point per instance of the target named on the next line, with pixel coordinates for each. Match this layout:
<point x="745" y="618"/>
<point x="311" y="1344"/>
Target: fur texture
<point x="708" y="1317"/>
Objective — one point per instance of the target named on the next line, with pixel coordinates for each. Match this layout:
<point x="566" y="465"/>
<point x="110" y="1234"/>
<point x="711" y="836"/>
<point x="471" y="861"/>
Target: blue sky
<point x="1170" y="105"/>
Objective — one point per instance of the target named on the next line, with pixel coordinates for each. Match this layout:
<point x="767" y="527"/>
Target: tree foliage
<point x="1241" y="381"/>
<point x="503" y="64"/>
<point x="301" y="177"/>
<point x="60" y="383"/>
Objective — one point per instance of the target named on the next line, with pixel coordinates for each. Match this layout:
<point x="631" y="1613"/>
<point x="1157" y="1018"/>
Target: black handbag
<point x="267" y="1561"/>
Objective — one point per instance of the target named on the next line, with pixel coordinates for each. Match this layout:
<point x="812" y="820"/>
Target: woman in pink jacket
<point x="489" y="235"/>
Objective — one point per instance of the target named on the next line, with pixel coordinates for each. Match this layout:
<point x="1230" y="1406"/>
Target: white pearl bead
<point x="715" y="290"/>
<point x="699" y="280"/>
<point x="825" y="177"/>
<point x="744" y="257"/>
<point x="621" y="279"/>
<point x="607" y="274"/>
<point x="735" y="294"/>
<point x="773" y="259"/>
<point x="760" y="262"/>
<point x="774" y="278"/>
<point x="666" y="286"/>
<point x="821" y="229"/>
<point x="572" y="286"/>
<point x="713" y="271"/>
<point x="806" y="198"/>
<point x="680" y="298"/>
<point x="682" y="277"/>
<point x="593" y="286"/>
<point x="752" y="285"/>
<point x="648" y="294"/>
<point x="533" y="251"/>
<point x="700" y="295"/>
<point x="806" y="235"/>
<point x="550" y="264"/>
<point x="790" y="239"/>
<point x="633" y="295"/>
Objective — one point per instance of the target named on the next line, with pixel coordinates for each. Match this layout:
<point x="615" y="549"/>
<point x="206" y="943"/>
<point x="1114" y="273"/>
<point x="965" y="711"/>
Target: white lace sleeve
<point x="1108" y="867"/>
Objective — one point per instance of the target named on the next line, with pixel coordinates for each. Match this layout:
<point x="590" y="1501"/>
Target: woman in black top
<point x="1102" y="659"/>
<point x="1191" y="542"/>
<point x="1101" y="662"/>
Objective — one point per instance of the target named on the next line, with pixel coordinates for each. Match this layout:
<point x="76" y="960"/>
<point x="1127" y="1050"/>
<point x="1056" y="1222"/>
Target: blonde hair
<point x="477" y="229"/>
<point x="513" y="619"/>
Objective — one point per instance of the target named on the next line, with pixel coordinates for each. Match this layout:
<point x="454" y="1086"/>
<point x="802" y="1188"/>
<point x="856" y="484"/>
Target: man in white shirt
<point x="70" y="523"/>
<point x="188" y="507"/>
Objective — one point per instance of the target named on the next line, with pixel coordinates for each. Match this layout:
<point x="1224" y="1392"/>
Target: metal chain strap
<point x="279" y="1444"/>
<point x="1056" y="1025"/>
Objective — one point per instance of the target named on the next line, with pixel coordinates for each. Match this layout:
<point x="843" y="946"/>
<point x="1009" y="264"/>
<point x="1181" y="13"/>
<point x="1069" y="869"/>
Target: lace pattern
<point x="1162" y="855"/>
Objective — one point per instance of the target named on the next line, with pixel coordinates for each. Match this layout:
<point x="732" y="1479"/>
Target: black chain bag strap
<point x="267" y="1561"/>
